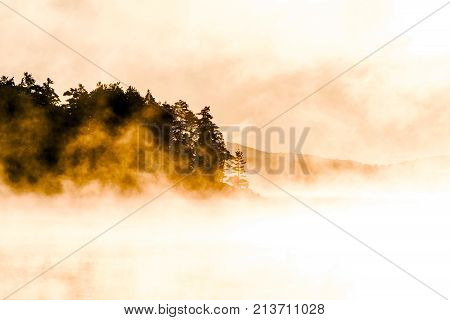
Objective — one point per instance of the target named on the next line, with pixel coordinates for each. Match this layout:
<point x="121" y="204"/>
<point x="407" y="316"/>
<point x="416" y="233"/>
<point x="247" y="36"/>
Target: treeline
<point x="98" y="136"/>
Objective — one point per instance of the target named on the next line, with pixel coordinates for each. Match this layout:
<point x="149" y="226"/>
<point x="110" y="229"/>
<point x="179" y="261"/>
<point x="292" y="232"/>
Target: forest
<point x="109" y="135"/>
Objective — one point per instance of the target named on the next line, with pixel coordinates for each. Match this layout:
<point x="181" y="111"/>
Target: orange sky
<point x="250" y="60"/>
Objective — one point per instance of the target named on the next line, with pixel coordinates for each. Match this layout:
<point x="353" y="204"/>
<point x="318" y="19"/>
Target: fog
<point x="250" y="61"/>
<point x="251" y="245"/>
<point x="258" y="58"/>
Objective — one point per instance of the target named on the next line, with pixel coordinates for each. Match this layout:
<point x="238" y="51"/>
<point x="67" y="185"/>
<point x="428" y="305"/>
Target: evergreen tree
<point x="43" y="138"/>
<point x="211" y="152"/>
<point x="183" y="136"/>
<point x="237" y="166"/>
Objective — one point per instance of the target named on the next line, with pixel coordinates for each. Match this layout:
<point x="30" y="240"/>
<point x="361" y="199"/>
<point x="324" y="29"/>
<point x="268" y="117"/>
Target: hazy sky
<point x="250" y="60"/>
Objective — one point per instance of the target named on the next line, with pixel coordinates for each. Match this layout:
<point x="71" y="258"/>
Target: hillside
<point x="282" y="166"/>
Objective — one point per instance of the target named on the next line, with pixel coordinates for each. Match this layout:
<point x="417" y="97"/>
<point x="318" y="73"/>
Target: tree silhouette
<point x="45" y="140"/>
<point x="211" y="152"/>
<point x="237" y="166"/>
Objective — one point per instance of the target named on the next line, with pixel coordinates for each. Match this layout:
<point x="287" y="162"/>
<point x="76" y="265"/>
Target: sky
<point x="251" y="60"/>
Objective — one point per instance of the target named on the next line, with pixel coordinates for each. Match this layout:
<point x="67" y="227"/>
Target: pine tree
<point x="237" y="167"/>
<point x="183" y="133"/>
<point x="211" y="151"/>
<point x="60" y="136"/>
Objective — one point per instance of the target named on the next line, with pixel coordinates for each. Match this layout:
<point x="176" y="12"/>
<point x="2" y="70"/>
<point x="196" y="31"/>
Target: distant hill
<point x="288" y="166"/>
<point x="285" y="164"/>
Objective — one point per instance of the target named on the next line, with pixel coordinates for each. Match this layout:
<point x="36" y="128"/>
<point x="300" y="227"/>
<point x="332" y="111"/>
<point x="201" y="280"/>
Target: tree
<point x="90" y="136"/>
<point x="181" y="137"/>
<point x="237" y="167"/>
<point x="211" y="151"/>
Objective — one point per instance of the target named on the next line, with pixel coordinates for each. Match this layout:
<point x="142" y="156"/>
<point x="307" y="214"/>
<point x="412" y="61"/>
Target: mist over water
<point x="244" y="246"/>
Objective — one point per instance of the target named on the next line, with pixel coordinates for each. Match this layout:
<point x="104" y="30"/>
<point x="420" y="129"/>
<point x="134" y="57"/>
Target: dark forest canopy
<point x="105" y="135"/>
